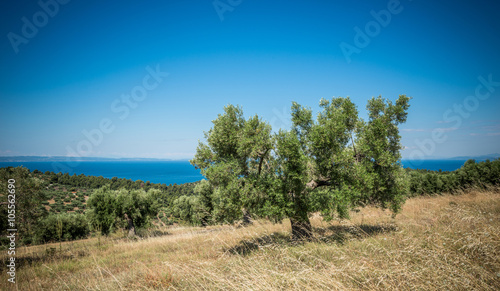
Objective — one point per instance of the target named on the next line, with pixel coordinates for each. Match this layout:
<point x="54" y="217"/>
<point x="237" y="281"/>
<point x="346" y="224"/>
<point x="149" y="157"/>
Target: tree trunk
<point x="159" y="219"/>
<point x="131" y="227"/>
<point x="247" y="220"/>
<point x="301" y="228"/>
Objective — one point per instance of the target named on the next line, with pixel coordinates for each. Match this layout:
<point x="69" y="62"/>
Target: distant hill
<point x="80" y="159"/>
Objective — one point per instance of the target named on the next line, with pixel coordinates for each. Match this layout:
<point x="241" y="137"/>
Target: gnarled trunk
<point x="131" y="227"/>
<point x="301" y="228"/>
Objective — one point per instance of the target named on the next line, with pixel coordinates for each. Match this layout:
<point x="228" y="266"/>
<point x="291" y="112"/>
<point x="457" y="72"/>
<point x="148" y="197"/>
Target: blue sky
<point x="65" y="68"/>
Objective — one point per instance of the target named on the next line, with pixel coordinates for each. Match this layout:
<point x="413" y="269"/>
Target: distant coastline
<point x="105" y="159"/>
<point x="76" y="159"/>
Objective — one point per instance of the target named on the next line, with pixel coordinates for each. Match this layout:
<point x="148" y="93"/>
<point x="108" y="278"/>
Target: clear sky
<point x="73" y="68"/>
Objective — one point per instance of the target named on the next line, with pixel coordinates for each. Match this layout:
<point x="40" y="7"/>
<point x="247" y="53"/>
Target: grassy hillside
<point x="440" y="242"/>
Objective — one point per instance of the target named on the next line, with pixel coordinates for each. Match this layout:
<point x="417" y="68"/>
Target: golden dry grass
<point x="442" y="242"/>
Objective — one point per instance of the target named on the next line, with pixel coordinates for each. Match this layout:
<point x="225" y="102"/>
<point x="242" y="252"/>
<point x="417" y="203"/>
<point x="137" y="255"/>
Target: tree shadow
<point x="246" y="247"/>
<point x="342" y="233"/>
<point x="338" y="234"/>
<point x="51" y="254"/>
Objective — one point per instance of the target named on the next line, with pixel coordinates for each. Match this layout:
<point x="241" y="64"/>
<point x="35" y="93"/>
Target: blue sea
<point x="179" y="172"/>
<point x="434" y="165"/>
<point x="165" y="172"/>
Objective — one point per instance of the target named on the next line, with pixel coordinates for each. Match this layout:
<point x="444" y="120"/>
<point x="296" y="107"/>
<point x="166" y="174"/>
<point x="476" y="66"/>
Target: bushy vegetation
<point x="187" y="203"/>
<point x="471" y="175"/>
<point x="43" y="196"/>
<point x="28" y="199"/>
<point x="73" y="183"/>
<point x="444" y="242"/>
<point x="65" y="226"/>
<point x="108" y="207"/>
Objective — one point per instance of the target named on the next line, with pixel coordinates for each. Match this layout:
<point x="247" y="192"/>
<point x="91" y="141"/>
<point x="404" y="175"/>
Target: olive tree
<point x="136" y="207"/>
<point x="232" y="161"/>
<point x="329" y="165"/>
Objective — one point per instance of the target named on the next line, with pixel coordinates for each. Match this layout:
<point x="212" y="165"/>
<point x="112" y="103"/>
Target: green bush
<point x="471" y="175"/>
<point x="73" y="226"/>
<point x="59" y="208"/>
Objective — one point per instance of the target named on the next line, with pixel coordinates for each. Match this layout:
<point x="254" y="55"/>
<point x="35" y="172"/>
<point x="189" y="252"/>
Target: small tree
<point x="28" y="199"/>
<point x="232" y="162"/>
<point x="330" y="164"/>
<point x="194" y="209"/>
<point x="102" y="209"/>
<point x="137" y="207"/>
<point x="107" y="206"/>
<point x="59" y="229"/>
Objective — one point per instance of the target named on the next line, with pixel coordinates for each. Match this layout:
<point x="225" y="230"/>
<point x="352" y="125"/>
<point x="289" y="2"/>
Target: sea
<point x="175" y="172"/>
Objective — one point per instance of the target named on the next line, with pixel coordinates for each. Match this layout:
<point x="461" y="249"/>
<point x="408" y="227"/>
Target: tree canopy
<point x="329" y="164"/>
<point x="28" y="201"/>
<point x="107" y="207"/>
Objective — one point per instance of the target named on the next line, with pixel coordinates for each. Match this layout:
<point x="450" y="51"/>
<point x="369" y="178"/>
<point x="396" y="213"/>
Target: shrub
<point x="74" y="226"/>
<point x="470" y="175"/>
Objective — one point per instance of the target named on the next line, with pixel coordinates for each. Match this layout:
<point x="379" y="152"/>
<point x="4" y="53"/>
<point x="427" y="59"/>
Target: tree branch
<point x="261" y="160"/>
<point x="313" y="184"/>
<point x="353" y="147"/>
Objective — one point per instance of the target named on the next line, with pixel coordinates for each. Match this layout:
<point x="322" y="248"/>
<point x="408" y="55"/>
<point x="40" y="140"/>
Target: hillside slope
<point x="439" y="242"/>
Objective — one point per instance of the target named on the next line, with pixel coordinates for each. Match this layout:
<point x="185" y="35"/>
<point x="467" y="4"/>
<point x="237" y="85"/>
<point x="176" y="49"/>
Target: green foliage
<point x="138" y="205"/>
<point x="107" y="207"/>
<point x="232" y="162"/>
<point x="28" y="199"/>
<point x="330" y="164"/>
<point x="195" y="210"/>
<point x="76" y="203"/>
<point x="102" y="210"/>
<point x="57" y="186"/>
<point x="471" y="175"/>
<point x="74" y="226"/>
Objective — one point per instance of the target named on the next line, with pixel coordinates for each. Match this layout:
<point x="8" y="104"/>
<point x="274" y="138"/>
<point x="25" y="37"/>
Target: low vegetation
<point x="436" y="242"/>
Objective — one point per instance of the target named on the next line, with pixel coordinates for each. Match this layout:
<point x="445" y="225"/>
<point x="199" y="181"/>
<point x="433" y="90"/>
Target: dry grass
<point x="443" y="242"/>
